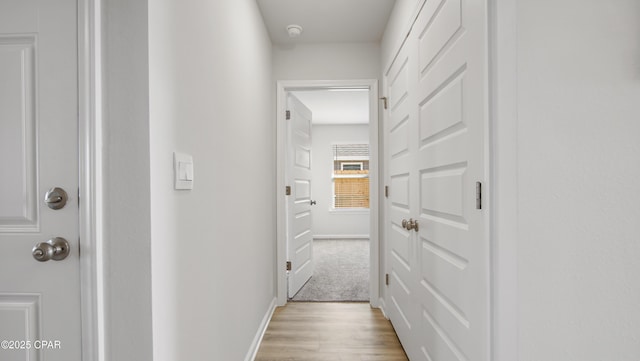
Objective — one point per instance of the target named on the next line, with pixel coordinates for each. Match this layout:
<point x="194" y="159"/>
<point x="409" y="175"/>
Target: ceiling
<point x="336" y="107"/>
<point x="326" y="21"/>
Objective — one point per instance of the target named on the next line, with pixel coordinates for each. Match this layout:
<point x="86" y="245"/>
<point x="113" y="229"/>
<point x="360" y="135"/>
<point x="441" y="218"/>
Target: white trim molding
<point x="382" y="305"/>
<point x="90" y="177"/>
<point x="504" y="175"/>
<point x="349" y="210"/>
<point x="257" y="340"/>
<point x="282" y="88"/>
<point x="340" y="236"/>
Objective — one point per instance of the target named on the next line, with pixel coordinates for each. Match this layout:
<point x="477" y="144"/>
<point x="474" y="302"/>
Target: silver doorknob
<point x="410" y="224"/>
<point x="55" y="198"/>
<point x="56" y="249"/>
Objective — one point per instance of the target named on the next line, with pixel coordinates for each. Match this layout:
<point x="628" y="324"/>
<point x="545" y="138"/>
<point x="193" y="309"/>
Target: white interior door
<point x="400" y="153"/>
<point x="440" y="299"/>
<point x="299" y="235"/>
<point x="39" y="301"/>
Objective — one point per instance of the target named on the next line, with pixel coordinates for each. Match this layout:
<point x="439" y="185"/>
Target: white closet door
<point x="446" y="265"/>
<point x="400" y="154"/>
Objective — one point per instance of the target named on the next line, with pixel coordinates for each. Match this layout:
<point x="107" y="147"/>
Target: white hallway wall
<point x="124" y="177"/>
<point x="578" y="99"/>
<point x="195" y="91"/>
<point x="328" y="222"/>
<point x="327" y="61"/>
<point x="213" y="256"/>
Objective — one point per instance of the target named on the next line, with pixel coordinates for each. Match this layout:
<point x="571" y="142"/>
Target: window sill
<point x="349" y="210"/>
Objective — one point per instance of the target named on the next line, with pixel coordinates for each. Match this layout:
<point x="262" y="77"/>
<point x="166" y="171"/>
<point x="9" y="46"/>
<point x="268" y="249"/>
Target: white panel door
<point x="449" y="281"/>
<point x="400" y="152"/>
<point x="39" y="301"/>
<point x="299" y="235"/>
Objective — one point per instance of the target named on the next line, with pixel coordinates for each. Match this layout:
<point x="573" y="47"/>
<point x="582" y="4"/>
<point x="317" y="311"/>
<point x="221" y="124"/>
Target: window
<point x="350" y="176"/>
<point x="351" y="166"/>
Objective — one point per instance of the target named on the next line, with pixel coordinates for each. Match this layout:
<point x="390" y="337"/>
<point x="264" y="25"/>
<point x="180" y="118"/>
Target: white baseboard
<point x="340" y="236"/>
<point x="382" y="305"/>
<point x="255" y="345"/>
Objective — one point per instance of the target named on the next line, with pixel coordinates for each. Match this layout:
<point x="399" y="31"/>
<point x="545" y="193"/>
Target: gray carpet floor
<point x="341" y="272"/>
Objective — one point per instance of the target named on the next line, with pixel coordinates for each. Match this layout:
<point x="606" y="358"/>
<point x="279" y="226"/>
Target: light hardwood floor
<point x="318" y="331"/>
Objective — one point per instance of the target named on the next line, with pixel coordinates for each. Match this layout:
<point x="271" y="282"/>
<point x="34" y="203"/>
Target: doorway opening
<point x="339" y="194"/>
<point x="332" y="256"/>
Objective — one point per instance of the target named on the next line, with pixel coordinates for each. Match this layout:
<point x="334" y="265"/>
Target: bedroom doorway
<point x="342" y="189"/>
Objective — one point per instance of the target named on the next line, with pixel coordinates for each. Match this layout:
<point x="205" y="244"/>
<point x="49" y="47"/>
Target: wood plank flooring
<point x="318" y="331"/>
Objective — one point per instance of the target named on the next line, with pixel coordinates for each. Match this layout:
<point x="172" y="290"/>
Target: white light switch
<point x="183" y="170"/>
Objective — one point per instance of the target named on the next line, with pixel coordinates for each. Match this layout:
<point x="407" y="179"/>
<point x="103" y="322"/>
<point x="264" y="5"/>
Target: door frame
<point x="503" y="194"/>
<point x="374" y="195"/>
<point x="90" y="155"/>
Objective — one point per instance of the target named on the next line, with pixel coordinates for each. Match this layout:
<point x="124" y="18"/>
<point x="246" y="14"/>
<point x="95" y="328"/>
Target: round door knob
<point x="56" y="249"/>
<point x="313" y="203"/>
<point x="410" y="224"/>
<point x="413" y="224"/>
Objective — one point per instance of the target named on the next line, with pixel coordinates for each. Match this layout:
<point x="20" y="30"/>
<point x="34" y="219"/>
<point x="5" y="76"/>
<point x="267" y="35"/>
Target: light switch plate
<point x="182" y="170"/>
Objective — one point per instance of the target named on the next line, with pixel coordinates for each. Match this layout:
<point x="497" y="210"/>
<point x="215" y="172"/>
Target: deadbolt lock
<point x="55" y="198"/>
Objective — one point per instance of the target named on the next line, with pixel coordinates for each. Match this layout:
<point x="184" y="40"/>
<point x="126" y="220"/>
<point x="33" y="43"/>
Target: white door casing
<point x="39" y="301"/>
<point x="299" y="234"/>
<point x="439" y="290"/>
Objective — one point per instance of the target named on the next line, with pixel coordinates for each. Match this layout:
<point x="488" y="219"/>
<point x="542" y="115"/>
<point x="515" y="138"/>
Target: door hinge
<point x="386" y="279"/>
<point x="288" y="265"/>
<point x="384" y="102"/>
<point x="287" y="115"/>
<point x="478" y="195"/>
<point x="287" y="190"/>
<point x="386" y="191"/>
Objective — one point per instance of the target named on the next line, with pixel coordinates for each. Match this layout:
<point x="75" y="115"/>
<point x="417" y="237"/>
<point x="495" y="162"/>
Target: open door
<point x="298" y="176"/>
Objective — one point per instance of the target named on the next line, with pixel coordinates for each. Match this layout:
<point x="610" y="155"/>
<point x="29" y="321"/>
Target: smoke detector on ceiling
<point x="294" y="30"/>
